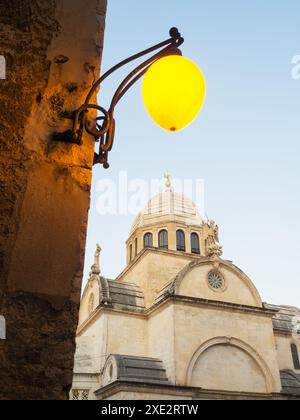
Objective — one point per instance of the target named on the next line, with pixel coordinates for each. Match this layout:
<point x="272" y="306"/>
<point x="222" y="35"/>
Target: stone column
<point x="53" y="52"/>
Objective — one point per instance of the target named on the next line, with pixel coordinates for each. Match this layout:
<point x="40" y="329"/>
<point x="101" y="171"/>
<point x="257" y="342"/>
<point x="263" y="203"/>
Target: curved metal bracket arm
<point x="103" y="127"/>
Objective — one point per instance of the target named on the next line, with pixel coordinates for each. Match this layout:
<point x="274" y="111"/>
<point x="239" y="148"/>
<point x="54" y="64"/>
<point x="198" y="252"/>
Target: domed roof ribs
<point x="168" y="207"/>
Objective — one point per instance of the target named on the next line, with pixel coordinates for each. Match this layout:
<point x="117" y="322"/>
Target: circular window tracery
<point x="216" y="281"/>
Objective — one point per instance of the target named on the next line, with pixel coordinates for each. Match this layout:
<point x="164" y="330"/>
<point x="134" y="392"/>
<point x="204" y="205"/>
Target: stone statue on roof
<point x="214" y="248"/>
<point x="95" y="269"/>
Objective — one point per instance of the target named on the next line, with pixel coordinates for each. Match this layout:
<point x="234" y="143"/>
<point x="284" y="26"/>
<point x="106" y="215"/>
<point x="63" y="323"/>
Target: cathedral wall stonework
<point x="161" y="339"/>
<point x="235" y="290"/>
<point x="127" y="335"/>
<point x="284" y="354"/>
<point x="153" y="271"/>
<point x="226" y="367"/>
<point x="211" y="344"/>
<point x="53" y="52"/>
<point x="92" y="289"/>
<point x="195" y="326"/>
<point x="92" y="341"/>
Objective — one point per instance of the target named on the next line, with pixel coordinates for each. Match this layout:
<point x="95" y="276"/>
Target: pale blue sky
<point x="245" y="144"/>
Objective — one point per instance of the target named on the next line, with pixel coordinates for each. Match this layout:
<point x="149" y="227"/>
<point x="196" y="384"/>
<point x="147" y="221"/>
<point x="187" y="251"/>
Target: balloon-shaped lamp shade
<point x="173" y="91"/>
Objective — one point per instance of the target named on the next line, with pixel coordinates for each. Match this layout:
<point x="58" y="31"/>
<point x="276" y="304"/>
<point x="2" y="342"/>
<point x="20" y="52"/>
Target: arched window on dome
<point x="130" y="252"/>
<point x="163" y="241"/>
<point x="148" y="240"/>
<point x="136" y="247"/>
<point x="295" y="356"/>
<point x="195" y="243"/>
<point x="180" y="239"/>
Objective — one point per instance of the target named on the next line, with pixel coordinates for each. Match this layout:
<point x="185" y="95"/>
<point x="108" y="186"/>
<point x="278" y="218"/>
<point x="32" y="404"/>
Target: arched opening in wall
<point x="226" y="367"/>
<point x="163" y="241"/>
<point x="195" y="243"/>
<point x="130" y="252"/>
<point x="148" y="240"/>
<point x="180" y="240"/>
<point x="295" y="356"/>
<point x="136" y="247"/>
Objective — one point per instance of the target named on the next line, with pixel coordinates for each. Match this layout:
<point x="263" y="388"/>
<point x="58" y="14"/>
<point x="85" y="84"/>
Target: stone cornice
<point x="213" y="304"/>
<point x="190" y="393"/>
<point x="282" y="332"/>
<point x="186" y="300"/>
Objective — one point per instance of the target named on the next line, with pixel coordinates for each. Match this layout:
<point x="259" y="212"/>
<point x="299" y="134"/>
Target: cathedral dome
<point x="170" y="222"/>
<point x="168" y="207"/>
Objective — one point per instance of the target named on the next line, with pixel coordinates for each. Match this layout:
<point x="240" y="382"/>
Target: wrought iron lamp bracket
<point x="103" y="127"/>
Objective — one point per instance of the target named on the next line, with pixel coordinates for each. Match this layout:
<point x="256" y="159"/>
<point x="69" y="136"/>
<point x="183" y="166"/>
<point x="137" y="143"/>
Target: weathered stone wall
<point x="284" y="353"/>
<point x="153" y="269"/>
<point x="53" y="51"/>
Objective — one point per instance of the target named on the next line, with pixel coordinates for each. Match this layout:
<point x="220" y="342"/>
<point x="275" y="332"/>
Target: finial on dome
<point x="168" y="181"/>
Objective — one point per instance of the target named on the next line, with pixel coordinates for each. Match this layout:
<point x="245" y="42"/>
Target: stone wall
<point x="284" y="352"/>
<point x="226" y="367"/>
<point x="53" y="51"/>
<point x="153" y="269"/>
<point x="237" y="288"/>
<point x="199" y="329"/>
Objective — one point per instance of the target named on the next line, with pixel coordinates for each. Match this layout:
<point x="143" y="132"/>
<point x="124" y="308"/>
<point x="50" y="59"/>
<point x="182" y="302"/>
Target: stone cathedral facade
<point x="180" y="322"/>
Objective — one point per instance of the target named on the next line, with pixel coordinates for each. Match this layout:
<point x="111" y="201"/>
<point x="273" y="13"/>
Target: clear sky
<point x="244" y="145"/>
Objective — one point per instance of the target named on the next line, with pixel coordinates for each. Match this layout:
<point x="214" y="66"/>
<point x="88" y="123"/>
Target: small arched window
<point x="136" y="247"/>
<point x="163" y="239"/>
<point x="295" y="356"/>
<point x="180" y="239"/>
<point x="148" y="240"/>
<point x="130" y="252"/>
<point x="195" y="244"/>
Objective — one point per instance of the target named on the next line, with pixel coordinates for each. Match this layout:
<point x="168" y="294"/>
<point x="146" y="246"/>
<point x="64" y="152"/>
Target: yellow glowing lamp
<point x="174" y="90"/>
